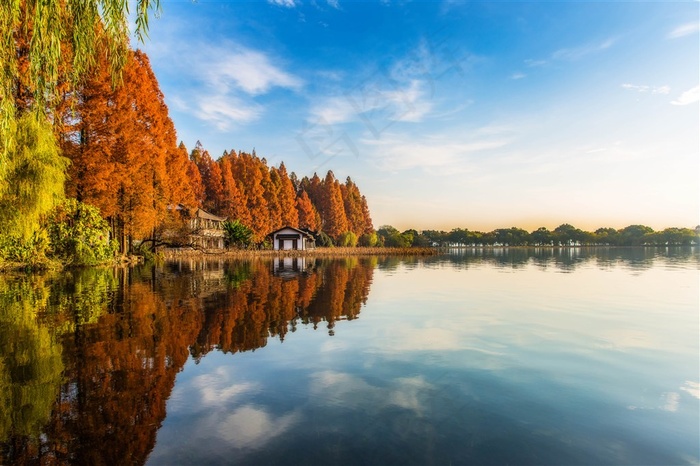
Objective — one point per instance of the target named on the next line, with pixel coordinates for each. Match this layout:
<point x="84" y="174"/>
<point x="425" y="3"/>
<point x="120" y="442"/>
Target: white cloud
<point x="405" y="151"/>
<point x="688" y="97"/>
<point x="250" y="70"/>
<point x="684" y="30"/>
<point x="377" y="104"/>
<point x="404" y="93"/>
<point x="339" y="388"/>
<point x="535" y="63"/>
<point x="283" y="3"/>
<point x="178" y="103"/>
<point x="409" y="103"/>
<point x="222" y="82"/>
<point x="571" y="54"/>
<point x="216" y="389"/>
<point x="333" y="110"/>
<point x="250" y="427"/>
<point x="647" y="89"/>
<point x="671" y="401"/>
<point x="431" y="59"/>
<point x="517" y="75"/>
<point x="692" y="388"/>
<point x="224" y="111"/>
<point x="334" y="4"/>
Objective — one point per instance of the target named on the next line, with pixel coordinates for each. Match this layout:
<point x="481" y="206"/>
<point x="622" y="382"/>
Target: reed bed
<point x="318" y="252"/>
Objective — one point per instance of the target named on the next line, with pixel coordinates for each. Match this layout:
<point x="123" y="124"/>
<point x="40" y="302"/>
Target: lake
<point x="496" y="356"/>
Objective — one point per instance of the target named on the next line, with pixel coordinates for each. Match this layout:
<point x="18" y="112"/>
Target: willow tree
<point x="35" y="173"/>
<point x="47" y="42"/>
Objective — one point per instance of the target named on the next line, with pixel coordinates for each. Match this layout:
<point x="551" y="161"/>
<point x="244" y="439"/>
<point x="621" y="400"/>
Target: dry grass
<point x="318" y="252"/>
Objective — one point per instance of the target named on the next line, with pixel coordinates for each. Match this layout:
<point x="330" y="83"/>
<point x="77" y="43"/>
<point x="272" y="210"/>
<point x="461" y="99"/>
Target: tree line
<point x="126" y="162"/>
<point x="563" y="235"/>
<point x="241" y="187"/>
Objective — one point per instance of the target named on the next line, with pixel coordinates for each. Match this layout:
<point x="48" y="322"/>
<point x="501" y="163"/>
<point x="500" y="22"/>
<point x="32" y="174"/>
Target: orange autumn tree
<point x="212" y="181"/>
<point x="251" y="176"/>
<point x="332" y="208"/>
<point x="183" y="183"/>
<point x="234" y="202"/>
<point x="352" y="201"/>
<point x="287" y="197"/>
<point x="308" y="216"/>
<point x="271" y="185"/>
<point x="120" y="142"/>
<point x="264" y="198"/>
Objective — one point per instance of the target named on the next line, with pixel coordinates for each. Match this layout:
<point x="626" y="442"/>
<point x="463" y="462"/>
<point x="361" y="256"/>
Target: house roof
<point x="304" y="233"/>
<point x="209" y="216"/>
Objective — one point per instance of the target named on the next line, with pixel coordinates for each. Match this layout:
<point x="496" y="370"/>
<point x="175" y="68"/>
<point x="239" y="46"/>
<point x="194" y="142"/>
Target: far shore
<point x="332" y="252"/>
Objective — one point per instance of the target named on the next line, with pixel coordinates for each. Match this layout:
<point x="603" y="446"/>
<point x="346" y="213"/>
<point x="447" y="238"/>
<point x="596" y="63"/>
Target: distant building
<point x="292" y="239"/>
<point x="207" y="230"/>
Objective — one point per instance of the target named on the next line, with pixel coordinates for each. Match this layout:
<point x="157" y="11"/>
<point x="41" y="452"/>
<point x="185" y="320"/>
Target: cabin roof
<point x="209" y="216"/>
<point x="303" y="232"/>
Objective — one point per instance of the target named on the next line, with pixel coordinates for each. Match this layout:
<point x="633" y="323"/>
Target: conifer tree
<point x="233" y="201"/>
<point x="332" y="209"/>
<point x="286" y="196"/>
<point x="252" y="178"/>
<point x="367" y="219"/>
<point x="352" y="200"/>
<point x="308" y="216"/>
<point x="120" y="143"/>
<point x="211" y="180"/>
<point x="271" y="184"/>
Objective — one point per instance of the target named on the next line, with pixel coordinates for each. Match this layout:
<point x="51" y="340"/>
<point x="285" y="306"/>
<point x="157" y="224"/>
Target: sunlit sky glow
<point x="450" y="114"/>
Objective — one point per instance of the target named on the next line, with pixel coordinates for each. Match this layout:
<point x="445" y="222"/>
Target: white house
<point x="289" y="238"/>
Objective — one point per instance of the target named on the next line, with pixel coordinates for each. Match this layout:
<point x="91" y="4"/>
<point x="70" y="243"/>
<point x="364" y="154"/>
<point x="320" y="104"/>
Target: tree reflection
<point x="89" y="358"/>
<point x="245" y="314"/>
<point x="565" y="259"/>
<point x="30" y="361"/>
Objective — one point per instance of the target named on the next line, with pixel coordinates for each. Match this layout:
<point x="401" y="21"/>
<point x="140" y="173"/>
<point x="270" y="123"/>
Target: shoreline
<point x="334" y="252"/>
<point x="169" y="254"/>
<point x="375" y="251"/>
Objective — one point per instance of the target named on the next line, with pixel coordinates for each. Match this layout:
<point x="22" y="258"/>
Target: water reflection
<point x="30" y="362"/>
<point x="561" y="259"/>
<point x="89" y="358"/>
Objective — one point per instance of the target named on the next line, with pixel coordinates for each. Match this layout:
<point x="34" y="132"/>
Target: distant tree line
<point x="563" y="235"/>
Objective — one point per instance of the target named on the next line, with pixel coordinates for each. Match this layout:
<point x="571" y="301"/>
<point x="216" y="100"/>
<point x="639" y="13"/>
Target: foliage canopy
<point x="51" y="42"/>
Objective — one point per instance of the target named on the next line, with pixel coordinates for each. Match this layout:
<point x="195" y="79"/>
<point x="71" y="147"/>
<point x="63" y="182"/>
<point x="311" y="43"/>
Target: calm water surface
<point x="480" y="357"/>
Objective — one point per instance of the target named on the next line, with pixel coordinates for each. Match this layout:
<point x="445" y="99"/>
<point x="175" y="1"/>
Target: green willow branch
<point x="59" y="32"/>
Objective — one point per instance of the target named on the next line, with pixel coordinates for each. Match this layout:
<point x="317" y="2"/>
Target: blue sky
<point x="451" y="114"/>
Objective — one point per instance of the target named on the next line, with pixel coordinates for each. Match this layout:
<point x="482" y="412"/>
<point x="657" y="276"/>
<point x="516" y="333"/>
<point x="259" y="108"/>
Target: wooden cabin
<point x="207" y="230"/>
